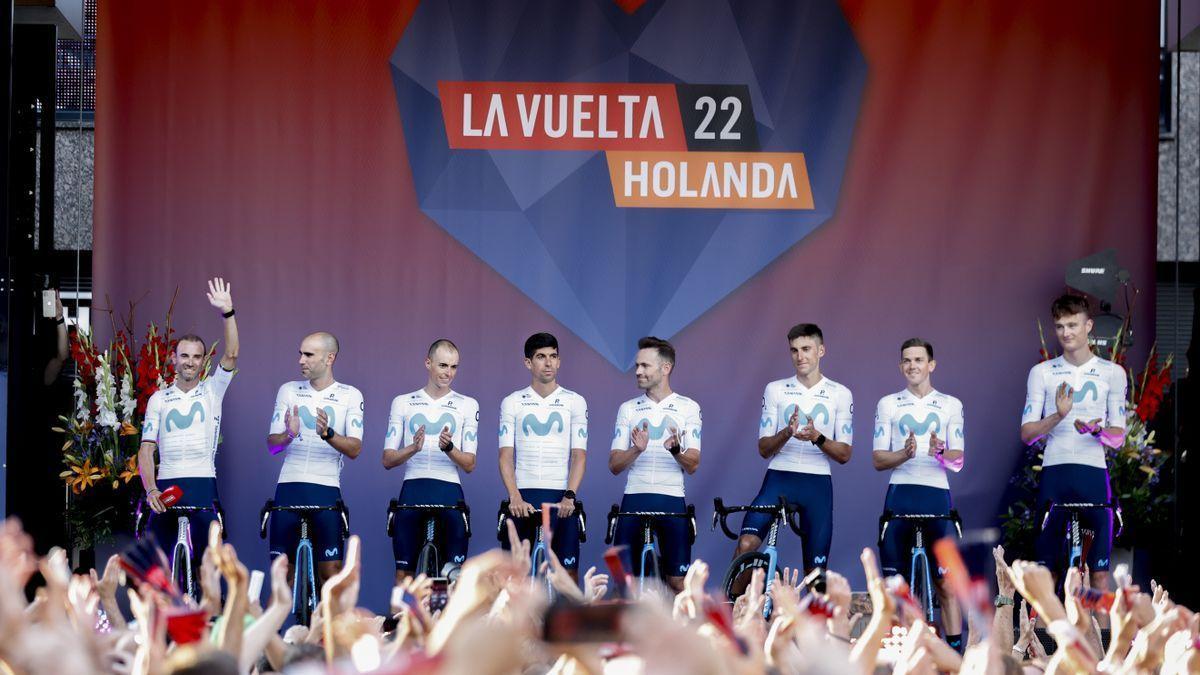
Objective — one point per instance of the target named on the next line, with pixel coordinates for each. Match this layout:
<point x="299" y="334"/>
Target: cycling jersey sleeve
<point x="843" y="421"/>
<point x="219" y="381"/>
<point x="883" y="425"/>
<point x="354" y="414"/>
<point x="508" y="423"/>
<point x="151" y="421"/>
<point x="621" y="432"/>
<point x="395" y="431"/>
<point x="1035" y="397"/>
<point x="690" y="434"/>
<point x="767" y="423"/>
<point x="956" y="430"/>
<point x="470" y="435"/>
<point x="579" y="424"/>
<point x="1117" y="382"/>
<point x="282" y="405"/>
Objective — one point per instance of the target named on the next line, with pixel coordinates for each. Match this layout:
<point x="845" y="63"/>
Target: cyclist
<point x="806" y="420"/>
<point x="1077" y="403"/>
<point x="918" y="435"/>
<point x="317" y="423"/>
<point x="183" y="421"/>
<point x="543" y="449"/>
<point x="432" y="431"/>
<point x="657" y="438"/>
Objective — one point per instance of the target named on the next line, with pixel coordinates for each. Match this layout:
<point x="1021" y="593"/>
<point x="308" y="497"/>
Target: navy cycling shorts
<point x="1065" y="483"/>
<point x="408" y="536"/>
<point x="674" y="534"/>
<point x="564" y="539"/>
<point x="895" y="553"/>
<point x="165" y="526"/>
<point x="326" y="533"/>
<point x="813" y="494"/>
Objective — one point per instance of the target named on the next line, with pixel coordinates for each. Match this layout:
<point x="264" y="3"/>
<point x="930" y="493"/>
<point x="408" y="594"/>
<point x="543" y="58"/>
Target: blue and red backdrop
<point x="709" y="171"/>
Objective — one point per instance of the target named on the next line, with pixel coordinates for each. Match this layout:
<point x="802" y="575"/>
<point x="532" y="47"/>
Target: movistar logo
<point x="819" y="560"/>
<point x="1028" y="409"/>
<point x="391" y="431"/>
<point x="569" y="561"/>
<point x="910" y="425"/>
<point x="503" y="429"/>
<point x="582" y="432"/>
<point x="531" y="423"/>
<point x="846" y="428"/>
<point x="356" y="423"/>
<point x="819" y="410"/>
<point x="310" y="419"/>
<point x="764" y="422"/>
<point x="1083" y="392"/>
<point x="471" y="435"/>
<point x="330" y="552"/>
<point x="431" y="428"/>
<point x="659" y="430"/>
<point x="879" y="432"/>
<point x="958" y="432"/>
<point x="695" y="433"/>
<point x="184" y="421"/>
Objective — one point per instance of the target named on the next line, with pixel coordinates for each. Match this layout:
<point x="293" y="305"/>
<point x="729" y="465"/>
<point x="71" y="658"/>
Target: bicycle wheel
<point x="921" y="585"/>
<point x="181" y="568"/>
<point x="737" y="577"/>
<point x="304" y="588"/>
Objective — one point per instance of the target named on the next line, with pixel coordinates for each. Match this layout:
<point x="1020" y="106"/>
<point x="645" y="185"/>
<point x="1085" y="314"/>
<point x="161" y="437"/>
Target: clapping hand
<point x="322" y="422"/>
<point x="809" y="431"/>
<point x="640" y="436"/>
<point x="936" y="445"/>
<point x="445" y="439"/>
<point x="910" y="445"/>
<point x="418" y="438"/>
<point x="291" y="421"/>
<point x="1064" y="399"/>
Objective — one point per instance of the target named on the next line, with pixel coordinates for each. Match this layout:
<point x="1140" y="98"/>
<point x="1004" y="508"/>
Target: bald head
<point x="328" y="341"/>
<point x="317" y="352"/>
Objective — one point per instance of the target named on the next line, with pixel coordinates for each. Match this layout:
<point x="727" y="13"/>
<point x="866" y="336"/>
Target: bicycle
<point x="181" y="552"/>
<point x="767" y="559"/>
<point x="304" y="584"/>
<point x="537" y="553"/>
<point x="429" y="559"/>
<point x="920" y="578"/>
<point x="1074" y="536"/>
<point x="649" y="539"/>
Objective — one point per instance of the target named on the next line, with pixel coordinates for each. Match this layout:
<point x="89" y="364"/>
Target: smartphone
<point x="254" y="590"/>
<point x="815" y="581"/>
<point x="570" y="622"/>
<point x="616" y="558"/>
<point x="48" y="305"/>
<point x="439" y="593"/>
<point x="547" y="531"/>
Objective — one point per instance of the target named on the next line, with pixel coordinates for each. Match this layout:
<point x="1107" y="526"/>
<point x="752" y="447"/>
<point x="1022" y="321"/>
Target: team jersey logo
<point x="432" y="428"/>
<point x="818" y="411"/>
<point x="182" y="421"/>
<point x="909" y="425"/>
<point x="309" y="418"/>
<point x="1088" y="387"/>
<point x="659" y="430"/>
<point x="470" y="435"/>
<point x="531" y="423"/>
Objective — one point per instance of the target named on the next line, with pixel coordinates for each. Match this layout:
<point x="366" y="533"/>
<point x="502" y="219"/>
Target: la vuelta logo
<point x="657" y="155"/>
<point x="627" y="164"/>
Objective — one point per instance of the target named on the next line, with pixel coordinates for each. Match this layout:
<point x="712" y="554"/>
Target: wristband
<point x="1002" y="600"/>
<point x="673" y="449"/>
<point x="153" y="490"/>
<point x="329" y="434"/>
<point x="60" y="320"/>
<point x="820" y="440"/>
<point x="448" y="448"/>
<point x="569" y="494"/>
<point x="228" y="314"/>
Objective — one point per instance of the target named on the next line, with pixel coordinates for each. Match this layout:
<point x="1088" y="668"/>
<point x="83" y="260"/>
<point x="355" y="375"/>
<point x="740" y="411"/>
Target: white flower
<point x="106" y="413"/>
<point x="128" y="402"/>
<point x="82" y="409"/>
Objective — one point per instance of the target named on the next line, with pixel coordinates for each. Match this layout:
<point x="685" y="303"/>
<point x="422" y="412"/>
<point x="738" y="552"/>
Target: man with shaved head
<point x="317" y="423"/>
<point x="432" y="432"/>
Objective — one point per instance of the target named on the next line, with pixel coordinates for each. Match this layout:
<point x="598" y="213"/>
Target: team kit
<point x="1074" y="402"/>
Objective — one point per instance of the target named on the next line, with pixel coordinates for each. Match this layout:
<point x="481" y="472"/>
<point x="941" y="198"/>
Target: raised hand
<point x="910" y="445"/>
<point x="594" y="585"/>
<point x="1004" y="581"/>
<point x="291" y="421"/>
<point x="281" y="590"/>
<point x="794" y="423"/>
<point x="445" y="439"/>
<point x="519" y="548"/>
<point x="640" y="436"/>
<point x="418" y="438"/>
<point x="671" y="444"/>
<point x="219" y="296"/>
<point x="1064" y="399"/>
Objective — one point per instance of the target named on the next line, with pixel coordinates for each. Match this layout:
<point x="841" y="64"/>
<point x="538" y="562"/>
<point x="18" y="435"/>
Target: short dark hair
<point x="1068" y="304"/>
<point x="806" y="330"/>
<point x="663" y="348"/>
<point x="917" y="342"/>
<point x="191" y="337"/>
<point x="539" y="341"/>
<point x="441" y="342"/>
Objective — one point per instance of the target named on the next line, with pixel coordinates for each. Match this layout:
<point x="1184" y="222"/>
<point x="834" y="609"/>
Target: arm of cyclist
<point x="147" y="471"/>
<point x="886" y="459"/>
<point x="619" y="460"/>
<point x="461" y="458"/>
<point x="517" y="506"/>
<point x="219" y="296"/>
<point x="574" y="478"/>
<point x="285" y="423"/>
<point x="1034" y="429"/>
<point x="394" y="457"/>
<point x="689" y="459"/>
<point x="347" y="445"/>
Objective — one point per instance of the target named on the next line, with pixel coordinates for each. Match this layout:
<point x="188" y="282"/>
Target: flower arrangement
<point x="111" y="388"/>
<point x="1135" y="468"/>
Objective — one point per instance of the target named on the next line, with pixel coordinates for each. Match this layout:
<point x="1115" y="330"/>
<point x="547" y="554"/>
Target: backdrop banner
<point x="707" y="171"/>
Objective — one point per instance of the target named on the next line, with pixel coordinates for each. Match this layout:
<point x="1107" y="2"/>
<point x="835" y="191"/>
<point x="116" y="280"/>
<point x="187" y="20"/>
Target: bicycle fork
<point x="183" y="548"/>
<point x="304" y="547"/>
<point x="918" y="554"/>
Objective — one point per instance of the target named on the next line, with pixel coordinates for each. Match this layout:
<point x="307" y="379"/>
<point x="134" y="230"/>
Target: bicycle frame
<point x="432" y="511"/>
<point x="306" y="594"/>
<point x="537" y="551"/>
<point x="918" y="552"/>
<point x="1073" y="534"/>
<point x="780" y="512"/>
<point x="182" y="551"/>
<point x="649" y="539"/>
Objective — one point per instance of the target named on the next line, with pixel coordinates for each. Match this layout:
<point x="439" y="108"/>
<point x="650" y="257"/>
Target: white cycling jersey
<point x="904" y="412"/>
<point x="542" y="433"/>
<point x="418" y="409"/>
<point x="656" y="470"/>
<point x="187" y="426"/>
<point x="1099" y="392"/>
<point x="831" y="408"/>
<point x="309" y="458"/>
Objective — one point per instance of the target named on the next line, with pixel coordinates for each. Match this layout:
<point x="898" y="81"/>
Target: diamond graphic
<point x="546" y="220"/>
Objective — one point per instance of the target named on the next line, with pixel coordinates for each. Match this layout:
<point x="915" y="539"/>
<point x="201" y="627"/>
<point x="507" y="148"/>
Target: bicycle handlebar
<point x="888" y="516"/>
<point x="140" y="521"/>
<point x="303" y="510"/>
<point x="781" y="510"/>
<point x="616" y="513"/>
<point x="536" y="517"/>
<point x="395" y="505"/>
<point x="1080" y="506"/>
